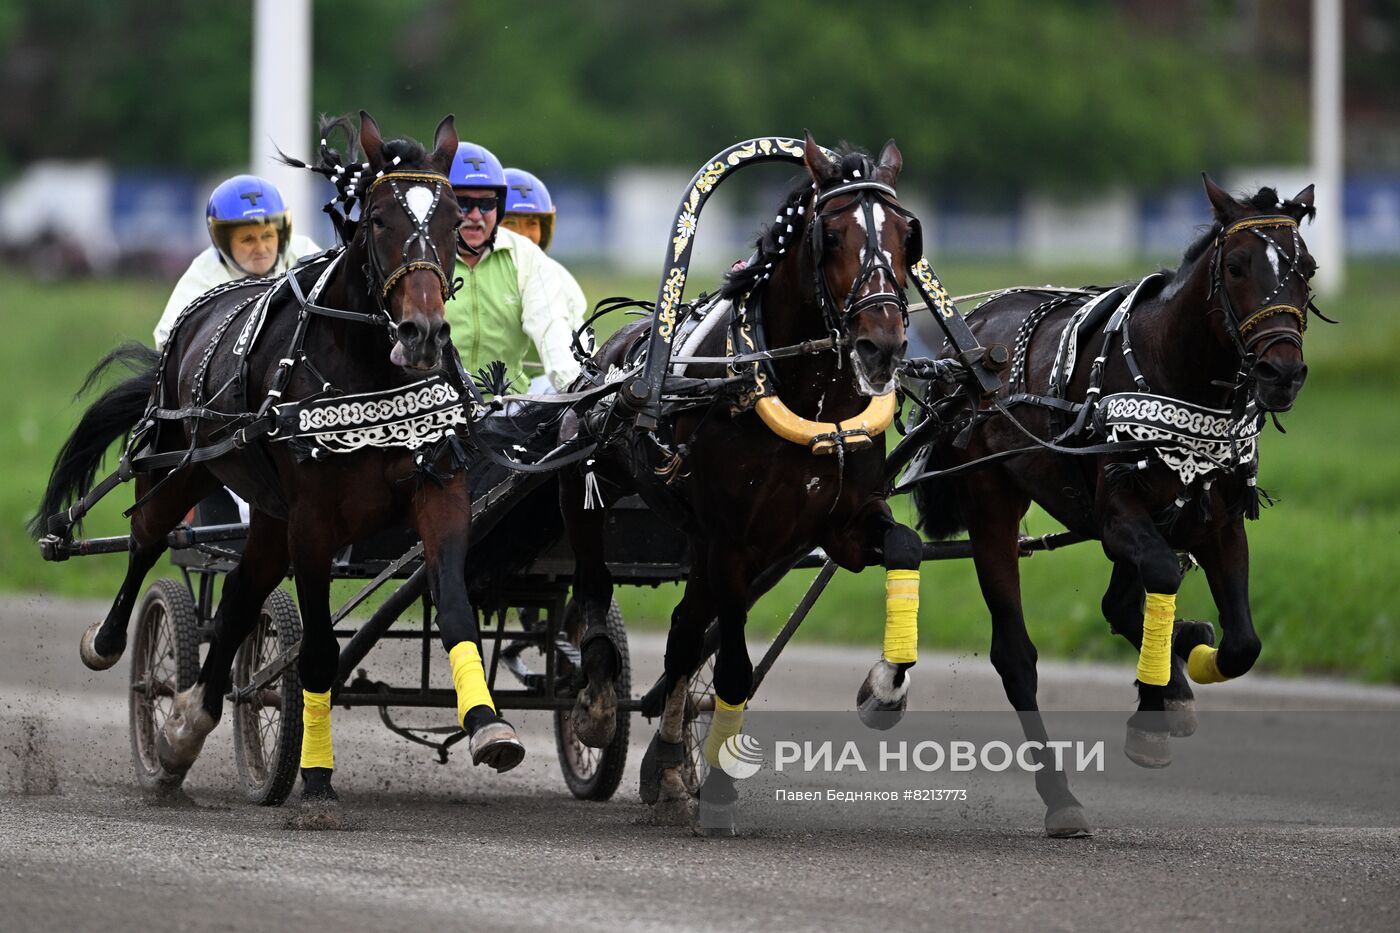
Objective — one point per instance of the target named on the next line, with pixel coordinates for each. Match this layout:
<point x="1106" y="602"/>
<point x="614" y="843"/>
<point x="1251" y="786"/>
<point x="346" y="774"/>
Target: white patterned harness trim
<point x="1194" y="441"/>
<point x="405" y="417"/>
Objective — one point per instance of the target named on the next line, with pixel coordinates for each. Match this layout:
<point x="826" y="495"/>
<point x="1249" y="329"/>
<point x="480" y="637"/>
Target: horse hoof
<point x="1181" y="717"/>
<point x="496" y="745"/>
<point x="178" y="744"/>
<point x="1068" y="822"/>
<point x="1148" y="748"/>
<point x="594" y="716"/>
<point x="87" y="650"/>
<point x="317" y="814"/>
<point x="659" y="755"/>
<point x="716" y="820"/>
<point x="675" y="805"/>
<point x="879" y="703"/>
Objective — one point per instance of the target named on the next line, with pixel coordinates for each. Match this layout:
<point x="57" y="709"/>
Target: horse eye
<point x="378" y="222"/>
<point x="1235" y="269"/>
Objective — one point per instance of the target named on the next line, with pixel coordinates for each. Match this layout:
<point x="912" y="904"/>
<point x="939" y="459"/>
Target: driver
<point x="510" y="297"/>
<point x="251" y="232"/>
<point x="529" y="211"/>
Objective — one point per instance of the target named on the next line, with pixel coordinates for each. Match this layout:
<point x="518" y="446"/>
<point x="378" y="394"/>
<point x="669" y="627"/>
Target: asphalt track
<point x="433" y="847"/>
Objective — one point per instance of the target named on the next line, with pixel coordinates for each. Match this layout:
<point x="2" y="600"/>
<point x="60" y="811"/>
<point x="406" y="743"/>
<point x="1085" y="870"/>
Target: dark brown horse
<point x="1224" y="333"/>
<point x="366" y="322"/>
<point x="751" y="501"/>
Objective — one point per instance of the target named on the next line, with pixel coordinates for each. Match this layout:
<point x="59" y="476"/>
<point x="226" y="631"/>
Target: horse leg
<point x="594" y="715"/>
<point x="104" y="642"/>
<point x="993" y="526"/>
<point x="729" y="586"/>
<point x="1129" y="536"/>
<point x="884" y="694"/>
<point x="1225" y="559"/>
<point x="443" y="519"/>
<point x="662" y="782"/>
<point x="1123" y="606"/>
<point x="312" y="548"/>
<point x="197" y="711"/>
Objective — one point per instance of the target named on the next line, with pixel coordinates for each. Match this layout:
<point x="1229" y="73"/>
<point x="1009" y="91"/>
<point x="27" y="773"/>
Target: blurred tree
<point x="985" y="99"/>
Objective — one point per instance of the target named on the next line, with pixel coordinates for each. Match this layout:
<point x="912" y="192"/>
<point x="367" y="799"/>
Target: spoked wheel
<point x="164" y="661"/>
<point x="594" y="773"/>
<point x="699" y="710"/>
<point x="267" y="725"/>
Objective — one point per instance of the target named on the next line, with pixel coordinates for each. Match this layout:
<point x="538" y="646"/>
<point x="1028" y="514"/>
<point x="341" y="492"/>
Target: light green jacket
<point x="510" y="299"/>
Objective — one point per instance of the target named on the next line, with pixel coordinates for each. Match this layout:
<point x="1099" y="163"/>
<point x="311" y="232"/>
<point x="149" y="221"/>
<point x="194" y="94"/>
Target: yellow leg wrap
<point x="901" y="616"/>
<point x="1202" y="667"/>
<point x="469" y="677"/>
<point x="726" y="724"/>
<point x="1155" y="657"/>
<point x="316" y="751"/>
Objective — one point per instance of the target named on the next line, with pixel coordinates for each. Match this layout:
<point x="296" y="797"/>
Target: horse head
<point x="1260" y="269"/>
<point x="859" y="241"/>
<point x="408" y="228"/>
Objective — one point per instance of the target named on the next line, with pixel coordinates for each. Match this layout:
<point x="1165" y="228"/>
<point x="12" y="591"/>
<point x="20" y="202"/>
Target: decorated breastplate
<point x="410" y="417"/>
<point x="1194" y="441"/>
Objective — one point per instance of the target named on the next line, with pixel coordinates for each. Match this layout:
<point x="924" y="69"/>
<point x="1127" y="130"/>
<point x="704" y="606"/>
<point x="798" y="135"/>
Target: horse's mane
<point x="741" y="282"/>
<point x="1266" y="199"/>
<point x="348" y="171"/>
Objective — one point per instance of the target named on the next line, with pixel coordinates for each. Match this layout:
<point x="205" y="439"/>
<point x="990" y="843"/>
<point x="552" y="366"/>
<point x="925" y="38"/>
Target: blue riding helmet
<point x="526" y="194"/>
<point x="475" y="167"/>
<point x="246" y="199"/>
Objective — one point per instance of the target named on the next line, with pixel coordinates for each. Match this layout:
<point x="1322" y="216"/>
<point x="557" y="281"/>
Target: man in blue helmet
<point x="529" y="211"/>
<point x="510" y="297"/>
<point x="251" y="232"/>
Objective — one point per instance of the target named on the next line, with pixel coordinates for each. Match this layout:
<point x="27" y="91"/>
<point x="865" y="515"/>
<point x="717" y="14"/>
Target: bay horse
<point x="1218" y="341"/>
<point x="753" y="502"/>
<point x="353" y="340"/>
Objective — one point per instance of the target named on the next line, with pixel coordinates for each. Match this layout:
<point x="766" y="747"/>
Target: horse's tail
<point x="114" y="413"/>
<point x="936" y="501"/>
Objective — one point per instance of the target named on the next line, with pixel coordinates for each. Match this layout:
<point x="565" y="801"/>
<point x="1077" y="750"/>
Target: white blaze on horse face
<point x="880" y="233"/>
<point x="420" y="201"/>
<point x="1272" y="252"/>
<point x="865" y="236"/>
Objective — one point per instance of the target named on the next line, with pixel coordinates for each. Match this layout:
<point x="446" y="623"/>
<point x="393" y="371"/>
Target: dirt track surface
<point x="448" y="848"/>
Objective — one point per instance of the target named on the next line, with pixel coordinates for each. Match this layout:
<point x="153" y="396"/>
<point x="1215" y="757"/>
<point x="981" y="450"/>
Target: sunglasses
<point x="486" y="205"/>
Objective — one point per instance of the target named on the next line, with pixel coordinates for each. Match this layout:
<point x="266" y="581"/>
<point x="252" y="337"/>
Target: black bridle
<point x="427" y="256"/>
<point x="1240" y="327"/>
<point x="874" y="263"/>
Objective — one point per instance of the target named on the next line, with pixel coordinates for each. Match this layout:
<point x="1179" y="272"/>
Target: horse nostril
<point x="1265" y="371"/>
<point x="409" y="333"/>
<point x="868" y="350"/>
<point x="444" y="334"/>
<point x="1301" y="375"/>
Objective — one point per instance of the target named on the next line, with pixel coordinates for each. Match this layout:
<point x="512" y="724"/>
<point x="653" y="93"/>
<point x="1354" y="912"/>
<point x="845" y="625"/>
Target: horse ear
<point x="371" y="142"/>
<point x="1225" y="207"/>
<point x="445" y="145"/>
<point x="1300" y="205"/>
<point x="891" y="161"/>
<point x="823" y="170"/>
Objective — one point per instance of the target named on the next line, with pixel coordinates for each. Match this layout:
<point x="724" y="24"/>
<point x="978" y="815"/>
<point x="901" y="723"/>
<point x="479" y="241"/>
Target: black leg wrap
<point x="316" y="784"/>
<point x="659" y="756"/>
<point x="903" y="548"/>
<point x="719" y="805"/>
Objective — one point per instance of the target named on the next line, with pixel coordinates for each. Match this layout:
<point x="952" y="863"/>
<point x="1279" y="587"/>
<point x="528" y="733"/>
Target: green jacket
<point x="507" y="302"/>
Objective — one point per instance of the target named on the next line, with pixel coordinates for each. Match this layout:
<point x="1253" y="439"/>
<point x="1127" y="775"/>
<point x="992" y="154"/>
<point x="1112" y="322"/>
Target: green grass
<point x="1325" y="562"/>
